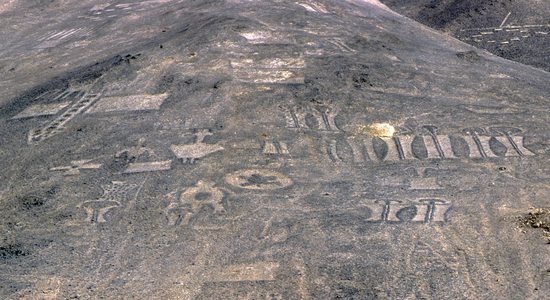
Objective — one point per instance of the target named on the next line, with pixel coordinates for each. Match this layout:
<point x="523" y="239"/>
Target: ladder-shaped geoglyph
<point x="71" y="103"/>
<point x="58" y="124"/>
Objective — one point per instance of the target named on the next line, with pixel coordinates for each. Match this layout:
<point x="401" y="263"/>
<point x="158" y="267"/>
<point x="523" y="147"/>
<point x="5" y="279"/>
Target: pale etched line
<point x="46" y="36"/>
<point x="486" y="32"/>
<point x="68" y="34"/>
<point x="148" y="167"/>
<point x="283" y="148"/>
<point x="505" y="19"/>
<point x="63" y="34"/>
<point x="332" y="152"/>
<point x="63" y="94"/>
<point x="275" y="147"/>
<point x="499" y="28"/>
<point x="269" y="148"/>
<point x="75" y="167"/>
<point x="307" y="7"/>
<point x="57" y="34"/>
<point x="90" y="18"/>
<point x="533" y="26"/>
<point x="313" y="7"/>
<point x="340" y="44"/>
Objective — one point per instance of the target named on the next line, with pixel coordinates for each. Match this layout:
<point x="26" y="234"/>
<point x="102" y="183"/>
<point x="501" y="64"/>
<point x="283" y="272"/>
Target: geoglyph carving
<point x="42" y="110"/>
<point x="129" y="103"/>
<point x="199" y="149"/>
<point x="113" y="196"/>
<point x="425" y="210"/>
<point x="273" y="147"/>
<point x="191" y="201"/>
<point x="153" y="166"/>
<point x="58" y="124"/>
<point x="76" y="166"/>
<point x="437" y="146"/>
<point x="256" y="179"/>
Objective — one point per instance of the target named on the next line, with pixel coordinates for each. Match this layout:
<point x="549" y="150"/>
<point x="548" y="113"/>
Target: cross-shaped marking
<point x="75" y="167"/>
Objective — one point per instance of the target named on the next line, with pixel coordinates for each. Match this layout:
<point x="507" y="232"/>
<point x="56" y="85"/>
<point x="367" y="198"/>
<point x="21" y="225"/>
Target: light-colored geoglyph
<point x="272" y="70"/>
<point x="285" y="68"/>
<point x="129" y="103"/>
<point x="313" y="6"/>
<point x="58" y="124"/>
<point x="426" y="210"/>
<point x="42" y="110"/>
<point x="190" y="153"/>
<point x="76" y="166"/>
<point x="153" y="166"/>
<point x="55" y="38"/>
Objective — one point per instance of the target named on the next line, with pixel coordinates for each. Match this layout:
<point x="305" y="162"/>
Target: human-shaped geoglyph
<point x="191" y="201"/>
<point x="113" y="196"/>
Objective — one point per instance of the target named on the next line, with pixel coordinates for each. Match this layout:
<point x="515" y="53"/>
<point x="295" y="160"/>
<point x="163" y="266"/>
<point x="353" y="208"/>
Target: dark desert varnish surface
<point x="265" y="150"/>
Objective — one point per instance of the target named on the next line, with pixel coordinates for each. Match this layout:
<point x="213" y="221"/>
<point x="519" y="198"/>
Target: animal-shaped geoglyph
<point x="199" y="149"/>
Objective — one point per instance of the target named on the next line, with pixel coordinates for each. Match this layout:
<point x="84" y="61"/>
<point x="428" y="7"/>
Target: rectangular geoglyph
<point x="42" y="110"/>
<point x="129" y="103"/>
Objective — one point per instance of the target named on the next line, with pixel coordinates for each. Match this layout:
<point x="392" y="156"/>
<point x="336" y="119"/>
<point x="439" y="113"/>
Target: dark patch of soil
<point x="538" y="218"/>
